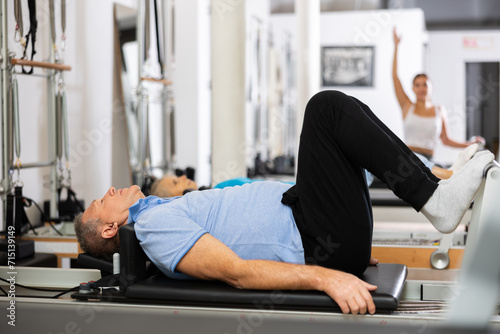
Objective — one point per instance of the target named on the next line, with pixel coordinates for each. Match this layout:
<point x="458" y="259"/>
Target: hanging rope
<point x="158" y="30"/>
<point x="31" y="34"/>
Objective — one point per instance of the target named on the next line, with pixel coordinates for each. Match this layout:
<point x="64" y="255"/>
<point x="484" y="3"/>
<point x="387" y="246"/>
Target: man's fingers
<point x="358" y="303"/>
<point x="369" y="286"/>
<point x="370" y="305"/>
<point x="343" y="306"/>
<point x="361" y="303"/>
<point x="353" y="295"/>
<point x="368" y="297"/>
<point x="365" y="301"/>
<point x="353" y="305"/>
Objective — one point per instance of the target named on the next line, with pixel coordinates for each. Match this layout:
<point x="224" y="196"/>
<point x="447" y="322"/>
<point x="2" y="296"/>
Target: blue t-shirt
<point x="249" y="219"/>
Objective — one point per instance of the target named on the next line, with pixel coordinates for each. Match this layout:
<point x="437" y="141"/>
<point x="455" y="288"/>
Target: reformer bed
<point x="139" y="281"/>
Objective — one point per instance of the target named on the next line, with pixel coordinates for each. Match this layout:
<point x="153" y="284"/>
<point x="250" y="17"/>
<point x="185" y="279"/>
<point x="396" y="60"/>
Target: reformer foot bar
<point x="473" y="299"/>
<point x="478" y="291"/>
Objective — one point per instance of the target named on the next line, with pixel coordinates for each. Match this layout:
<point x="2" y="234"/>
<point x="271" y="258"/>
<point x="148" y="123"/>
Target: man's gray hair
<point x="88" y="234"/>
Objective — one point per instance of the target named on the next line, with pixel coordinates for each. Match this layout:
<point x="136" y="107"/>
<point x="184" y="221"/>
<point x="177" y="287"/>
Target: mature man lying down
<point x="315" y="235"/>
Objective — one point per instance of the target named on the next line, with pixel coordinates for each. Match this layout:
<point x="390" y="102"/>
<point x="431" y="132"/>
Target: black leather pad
<point x="139" y="286"/>
<point x="390" y="279"/>
<point x="88" y="261"/>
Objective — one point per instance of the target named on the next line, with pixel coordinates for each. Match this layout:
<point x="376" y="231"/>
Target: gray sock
<point x="449" y="202"/>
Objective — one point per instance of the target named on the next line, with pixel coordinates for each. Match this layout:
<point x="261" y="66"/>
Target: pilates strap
<point x="158" y="39"/>
<point x="31" y="33"/>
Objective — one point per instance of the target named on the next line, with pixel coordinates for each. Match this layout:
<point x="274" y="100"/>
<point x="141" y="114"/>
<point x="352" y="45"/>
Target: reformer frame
<point x="137" y="285"/>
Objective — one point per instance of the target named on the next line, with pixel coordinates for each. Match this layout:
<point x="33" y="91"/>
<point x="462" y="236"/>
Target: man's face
<point x="114" y="205"/>
<point x="177" y="185"/>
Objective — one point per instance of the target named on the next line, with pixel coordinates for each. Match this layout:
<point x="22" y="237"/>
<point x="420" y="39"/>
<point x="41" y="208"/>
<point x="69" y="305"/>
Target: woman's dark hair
<point x="420" y="75"/>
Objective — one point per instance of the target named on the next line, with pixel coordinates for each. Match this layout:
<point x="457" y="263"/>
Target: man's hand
<point x="350" y="293"/>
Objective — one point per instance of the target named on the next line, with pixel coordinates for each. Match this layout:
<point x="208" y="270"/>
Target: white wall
<point x="257" y="14"/>
<point x="374" y="28"/>
<point x="191" y="82"/>
<point x="447" y="57"/>
<point x="90" y="96"/>
<point x="228" y="89"/>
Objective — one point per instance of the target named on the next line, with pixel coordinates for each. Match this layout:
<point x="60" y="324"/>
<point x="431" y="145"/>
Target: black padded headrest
<point x="132" y="257"/>
<point x="89" y="261"/>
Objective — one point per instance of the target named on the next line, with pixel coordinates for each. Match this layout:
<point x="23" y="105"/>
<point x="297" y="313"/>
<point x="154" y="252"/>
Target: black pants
<point x="330" y="201"/>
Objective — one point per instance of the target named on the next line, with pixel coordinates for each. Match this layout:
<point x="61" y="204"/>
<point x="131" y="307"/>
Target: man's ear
<point x="109" y="230"/>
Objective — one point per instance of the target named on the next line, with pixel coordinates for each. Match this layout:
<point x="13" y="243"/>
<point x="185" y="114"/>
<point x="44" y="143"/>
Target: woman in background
<point x="425" y="122"/>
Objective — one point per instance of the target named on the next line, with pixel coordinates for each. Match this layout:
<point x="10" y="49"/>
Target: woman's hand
<point x="396" y="37"/>
<point x="478" y="139"/>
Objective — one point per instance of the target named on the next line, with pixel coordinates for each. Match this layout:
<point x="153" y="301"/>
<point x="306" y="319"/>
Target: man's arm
<point x="211" y="259"/>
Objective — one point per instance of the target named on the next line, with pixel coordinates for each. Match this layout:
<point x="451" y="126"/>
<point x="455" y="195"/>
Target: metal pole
<point x="5" y="184"/>
<point x="307" y="30"/>
<point x="140" y="37"/>
<point x="166" y="104"/>
<point x="52" y="131"/>
<point x="141" y="145"/>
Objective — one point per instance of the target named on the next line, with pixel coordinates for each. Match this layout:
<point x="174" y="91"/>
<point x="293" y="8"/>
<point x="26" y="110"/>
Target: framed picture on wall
<point x="347" y="66"/>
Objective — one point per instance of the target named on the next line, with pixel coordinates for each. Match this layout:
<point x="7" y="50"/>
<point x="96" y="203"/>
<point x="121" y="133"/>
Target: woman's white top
<point x="422" y="131"/>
